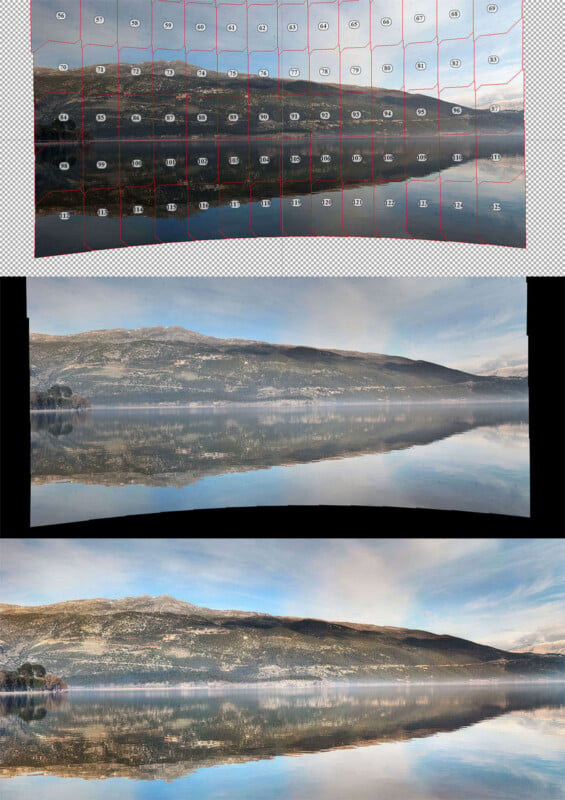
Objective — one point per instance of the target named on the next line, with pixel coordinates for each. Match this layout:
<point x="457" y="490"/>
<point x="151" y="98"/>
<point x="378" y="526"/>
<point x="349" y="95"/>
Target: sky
<point x="474" y="324"/>
<point x="493" y="591"/>
<point x="393" y="36"/>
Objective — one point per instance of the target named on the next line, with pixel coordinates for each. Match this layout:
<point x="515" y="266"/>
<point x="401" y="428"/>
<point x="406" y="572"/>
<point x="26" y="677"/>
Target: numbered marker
<point x="264" y="159"/>
<point x="421" y="112"/>
<point x="296" y="202"/>
<point x="201" y="73"/>
<point x="325" y="158"/>
<point x="134" y="23"/>
<point x="295" y="159"/>
<point x="169" y="72"/>
<point x="202" y="161"/>
<point x="99" y="20"/>
<point x="326" y="202"/>
<point x="354" y="24"/>
<point x="457" y="157"/>
<point x="60" y="15"/>
<point x="203" y="205"/>
<point x="135" y="71"/>
<point x="422" y="157"/>
<point x="292" y="27"/>
<point x="231" y="27"/>
<point x="263" y="117"/>
<point x="263" y="73"/>
<point x="422" y="203"/>
<point x="63" y="117"/>
<point x="294" y="116"/>
<point x="357" y="202"/>
<point x="64" y="166"/>
<point x="232" y="73"/>
<point x="100" y="70"/>
<point x="102" y="212"/>
<point x="324" y="114"/>
<point x="168" y="25"/>
<point x="235" y="204"/>
<point x="138" y="209"/>
<point x="172" y="207"/>
<point x="262" y="27"/>
<point x="390" y="203"/>
<point x="136" y="117"/>
<point x="458" y="205"/>
<point x="355" y="115"/>
<point x="64" y="215"/>
<point x="101" y="165"/>
<point x="495" y="207"/>
<point x="233" y="160"/>
<point x="170" y="162"/>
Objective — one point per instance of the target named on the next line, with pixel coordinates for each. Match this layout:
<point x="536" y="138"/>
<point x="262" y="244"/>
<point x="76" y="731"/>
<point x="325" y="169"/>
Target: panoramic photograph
<point x="151" y="395"/>
<point x="300" y="669"/>
<point x="170" y="121"/>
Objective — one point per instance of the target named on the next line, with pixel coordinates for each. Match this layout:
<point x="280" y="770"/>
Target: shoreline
<point x="282" y="404"/>
<point x="277" y="685"/>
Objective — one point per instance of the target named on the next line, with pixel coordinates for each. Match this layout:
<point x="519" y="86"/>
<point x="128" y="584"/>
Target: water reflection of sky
<point x="484" y="470"/>
<point x="515" y="756"/>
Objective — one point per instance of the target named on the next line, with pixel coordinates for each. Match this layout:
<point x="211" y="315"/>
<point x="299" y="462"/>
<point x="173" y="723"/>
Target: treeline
<point x="30" y="676"/>
<point x="57" y="396"/>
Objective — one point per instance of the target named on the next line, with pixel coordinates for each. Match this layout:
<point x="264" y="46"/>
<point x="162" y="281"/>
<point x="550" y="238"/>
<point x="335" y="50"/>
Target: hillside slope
<point x="159" y="364"/>
<point x="166" y="641"/>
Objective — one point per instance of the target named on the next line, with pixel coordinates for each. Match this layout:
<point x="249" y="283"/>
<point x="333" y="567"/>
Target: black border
<point x="546" y="350"/>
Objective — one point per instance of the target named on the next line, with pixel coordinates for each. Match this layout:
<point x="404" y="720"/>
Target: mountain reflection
<point x="166" y="735"/>
<point x="177" y="447"/>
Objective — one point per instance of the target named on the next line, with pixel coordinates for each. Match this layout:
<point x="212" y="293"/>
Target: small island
<point x="31" y="677"/>
<point x="57" y="397"/>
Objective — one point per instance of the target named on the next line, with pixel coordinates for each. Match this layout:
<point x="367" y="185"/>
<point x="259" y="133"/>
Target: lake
<point x="372" y="186"/>
<point x="399" y="742"/>
<point x="113" y="462"/>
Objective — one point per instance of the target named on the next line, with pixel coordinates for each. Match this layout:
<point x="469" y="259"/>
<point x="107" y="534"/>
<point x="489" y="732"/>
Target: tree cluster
<point x="30" y="676"/>
<point x="57" y="396"/>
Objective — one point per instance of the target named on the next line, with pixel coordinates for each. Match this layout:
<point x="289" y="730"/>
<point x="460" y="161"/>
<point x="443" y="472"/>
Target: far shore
<point x="290" y="684"/>
<point x="291" y="404"/>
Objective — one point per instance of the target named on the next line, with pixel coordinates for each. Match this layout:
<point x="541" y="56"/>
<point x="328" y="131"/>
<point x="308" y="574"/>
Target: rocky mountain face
<point x="83" y="93"/>
<point x="165" y="641"/>
<point x="173" y="365"/>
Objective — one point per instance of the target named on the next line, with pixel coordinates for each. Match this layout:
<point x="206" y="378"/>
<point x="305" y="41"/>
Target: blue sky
<point x="474" y="324"/>
<point x="493" y="591"/>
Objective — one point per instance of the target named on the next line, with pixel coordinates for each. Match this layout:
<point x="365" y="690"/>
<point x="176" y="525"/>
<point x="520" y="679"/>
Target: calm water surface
<point x="127" y="461"/>
<point x="405" y="198"/>
<point x="328" y="743"/>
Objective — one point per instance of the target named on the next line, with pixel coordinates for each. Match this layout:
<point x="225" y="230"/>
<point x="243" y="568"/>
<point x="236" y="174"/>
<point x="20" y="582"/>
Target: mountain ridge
<point x="161" y="640"/>
<point x="176" y="365"/>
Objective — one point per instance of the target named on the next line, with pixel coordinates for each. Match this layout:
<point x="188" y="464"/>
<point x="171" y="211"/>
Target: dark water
<point x="327" y="743"/>
<point x="128" y="461"/>
<point x="326" y="186"/>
